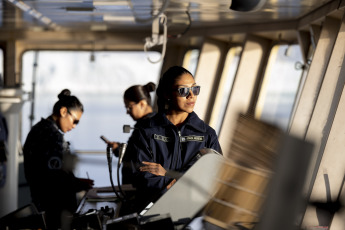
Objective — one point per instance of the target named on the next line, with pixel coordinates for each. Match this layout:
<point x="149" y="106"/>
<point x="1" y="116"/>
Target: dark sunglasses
<point x="75" y="119"/>
<point x="184" y="92"/>
<point x="130" y="107"/>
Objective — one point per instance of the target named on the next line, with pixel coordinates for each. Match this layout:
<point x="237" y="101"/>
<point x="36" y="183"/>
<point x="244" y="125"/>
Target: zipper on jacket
<point x="179" y="150"/>
<point x="180" y="139"/>
<point x="151" y="154"/>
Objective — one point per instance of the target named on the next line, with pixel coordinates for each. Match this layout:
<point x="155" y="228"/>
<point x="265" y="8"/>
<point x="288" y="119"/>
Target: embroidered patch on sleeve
<point x="54" y="163"/>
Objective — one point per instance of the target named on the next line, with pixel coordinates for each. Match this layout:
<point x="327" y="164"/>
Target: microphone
<point x="127" y="128"/>
<point x="105" y="139"/>
<point x="122" y="150"/>
<point x="109" y="155"/>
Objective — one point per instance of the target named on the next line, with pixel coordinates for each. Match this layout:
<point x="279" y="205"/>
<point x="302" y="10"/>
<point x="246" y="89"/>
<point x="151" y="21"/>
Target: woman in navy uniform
<point x="171" y="139"/>
<point x="137" y="101"/>
<point x="48" y="162"/>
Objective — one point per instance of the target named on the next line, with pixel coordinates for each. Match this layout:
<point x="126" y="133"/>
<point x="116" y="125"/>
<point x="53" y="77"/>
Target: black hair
<point x="165" y="84"/>
<point x="137" y="93"/>
<point x="67" y="100"/>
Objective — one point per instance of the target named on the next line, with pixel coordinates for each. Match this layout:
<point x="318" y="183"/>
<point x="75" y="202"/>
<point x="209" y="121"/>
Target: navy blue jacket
<point x="174" y="148"/>
<point x="53" y="186"/>
<point x="127" y="176"/>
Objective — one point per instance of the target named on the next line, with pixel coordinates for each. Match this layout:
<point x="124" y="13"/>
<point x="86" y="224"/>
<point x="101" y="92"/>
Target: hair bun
<point x="64" y="93"/>
<point x="150" y="86"/>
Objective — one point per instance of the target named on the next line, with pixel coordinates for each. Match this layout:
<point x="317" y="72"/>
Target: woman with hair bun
<point x="48" y="162"/>
<point x="137" y="100"/>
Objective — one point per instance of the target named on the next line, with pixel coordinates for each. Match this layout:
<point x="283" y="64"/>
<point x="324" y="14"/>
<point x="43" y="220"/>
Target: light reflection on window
<point x="1" y="68"/>
<point x="225" y="86"/>
<point x="190" y="61"/>
<point x="99" y="81"/>
<point x="280" y="85"/>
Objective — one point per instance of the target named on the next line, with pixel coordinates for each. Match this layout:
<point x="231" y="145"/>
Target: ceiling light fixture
<point x="28" y="9"/>
<point x="110" y="3"/>
<point x="98" y="27"/>
<point x="110" y="18"/>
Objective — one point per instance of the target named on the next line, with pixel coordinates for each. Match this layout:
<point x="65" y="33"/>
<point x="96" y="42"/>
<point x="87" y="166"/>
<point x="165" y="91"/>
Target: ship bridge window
<point x="280" y="85"/>
<point x="1" y="68"/>
<point x="225" y="86"/>
<point x="190" y="60"/>
<point x="99" y="80"/>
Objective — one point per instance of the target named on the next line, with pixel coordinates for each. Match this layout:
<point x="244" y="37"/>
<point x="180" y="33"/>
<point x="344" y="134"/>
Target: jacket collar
<point x="192" y="121"/>
<point x="147" y="116"/>
<point x="142" y="121"/>
<point x="53" y="123"/>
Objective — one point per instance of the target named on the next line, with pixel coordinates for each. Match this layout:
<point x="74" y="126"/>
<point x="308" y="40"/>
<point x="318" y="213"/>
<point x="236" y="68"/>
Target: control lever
<point x="127" y="128"/>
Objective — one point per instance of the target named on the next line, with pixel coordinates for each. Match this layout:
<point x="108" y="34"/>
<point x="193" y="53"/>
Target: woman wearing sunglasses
<point x="172" y="138"/>
<point x="48" y="162"/>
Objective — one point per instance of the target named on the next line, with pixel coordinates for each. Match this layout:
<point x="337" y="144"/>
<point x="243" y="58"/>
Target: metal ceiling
<point x="115" y="15"/>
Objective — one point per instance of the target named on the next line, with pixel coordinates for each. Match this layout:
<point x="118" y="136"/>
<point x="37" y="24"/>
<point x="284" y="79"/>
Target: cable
<point x="118" y="182"/>
<point x="110" y="171"/>
<point x="153" y="43"/>
<point x="186" y="30"/>
<point x="122" y="150"/>
<point x="121" y="154"/>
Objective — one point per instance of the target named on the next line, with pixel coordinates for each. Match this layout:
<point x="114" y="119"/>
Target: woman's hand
<point x="171" y="183"/>
<point x="86" y="183"/>
<point x="113" y="145"/>
<point x="154" y="168"/>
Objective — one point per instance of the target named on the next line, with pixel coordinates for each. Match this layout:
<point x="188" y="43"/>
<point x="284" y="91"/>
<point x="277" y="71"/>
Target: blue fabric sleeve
<point x="144" y="153"/>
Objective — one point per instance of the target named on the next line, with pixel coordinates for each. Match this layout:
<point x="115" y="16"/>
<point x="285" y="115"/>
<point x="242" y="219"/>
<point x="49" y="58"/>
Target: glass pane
<point x="280" y="85"/>
<point x="190" y="60"/>
<point x="1" y="68"/>
<point x="225" y="86"/>
<point x="99" y="82"/>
